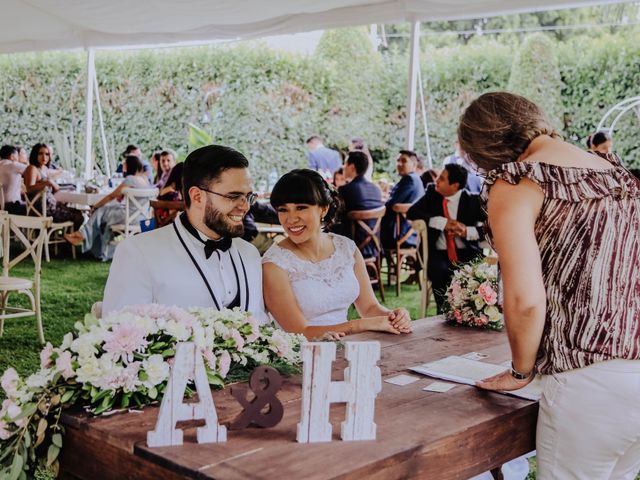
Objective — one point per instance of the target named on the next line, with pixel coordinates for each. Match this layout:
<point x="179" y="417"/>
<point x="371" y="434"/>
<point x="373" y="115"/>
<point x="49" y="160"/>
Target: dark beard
<point x="216" y="221"/>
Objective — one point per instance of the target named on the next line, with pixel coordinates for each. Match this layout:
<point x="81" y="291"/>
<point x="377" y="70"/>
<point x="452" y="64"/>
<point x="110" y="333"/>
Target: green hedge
<point x="265" y="103"/>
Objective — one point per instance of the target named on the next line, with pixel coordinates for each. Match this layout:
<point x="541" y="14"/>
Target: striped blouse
<point x="588" y="232"/>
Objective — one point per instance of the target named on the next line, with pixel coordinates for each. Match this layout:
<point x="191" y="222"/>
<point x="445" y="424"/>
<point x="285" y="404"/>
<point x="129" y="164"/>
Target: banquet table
<point x="452" y="435"/>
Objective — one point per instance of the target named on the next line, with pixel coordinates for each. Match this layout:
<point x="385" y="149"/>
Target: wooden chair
<point x="37" y="206"/>
<point x="172" y="207"/>
<point x="399" y="254"/>
<point x="16" y="224"/>
<point x="422" y="247"/>
<point x="359" y="223"/>
<point x="137" y="206"/>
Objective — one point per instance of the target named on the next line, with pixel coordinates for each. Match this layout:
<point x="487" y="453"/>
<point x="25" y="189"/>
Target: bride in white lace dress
<point x="311" y="278"/>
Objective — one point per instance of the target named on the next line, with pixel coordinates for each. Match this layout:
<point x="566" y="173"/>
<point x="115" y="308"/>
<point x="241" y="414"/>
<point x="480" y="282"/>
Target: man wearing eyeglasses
<point x="199" y="260"/>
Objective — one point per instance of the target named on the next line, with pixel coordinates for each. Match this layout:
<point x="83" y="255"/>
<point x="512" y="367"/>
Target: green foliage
<point x="266" y="103"/>
<point x="535" y="75"/>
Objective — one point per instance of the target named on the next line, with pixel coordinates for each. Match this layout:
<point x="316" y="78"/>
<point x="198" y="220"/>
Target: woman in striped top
<point x="566" y="226"/>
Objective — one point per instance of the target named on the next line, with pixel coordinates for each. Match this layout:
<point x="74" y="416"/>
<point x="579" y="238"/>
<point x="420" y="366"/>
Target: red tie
<point x="451" y="244"/>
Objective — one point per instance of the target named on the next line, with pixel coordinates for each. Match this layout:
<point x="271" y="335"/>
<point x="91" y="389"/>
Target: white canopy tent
<point x="32" y="25"/>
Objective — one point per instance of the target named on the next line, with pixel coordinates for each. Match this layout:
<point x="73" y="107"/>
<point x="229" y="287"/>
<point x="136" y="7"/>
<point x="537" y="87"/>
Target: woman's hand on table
<point x="400" y="320"/>
<point x="504" y="382"/>
<point x="329" y="337"/>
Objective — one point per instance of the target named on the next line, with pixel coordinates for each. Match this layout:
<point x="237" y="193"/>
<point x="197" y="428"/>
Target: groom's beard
<point x="219" y="223"/>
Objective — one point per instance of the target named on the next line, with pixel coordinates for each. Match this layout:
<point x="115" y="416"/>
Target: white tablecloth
<point x="79" y="198"/>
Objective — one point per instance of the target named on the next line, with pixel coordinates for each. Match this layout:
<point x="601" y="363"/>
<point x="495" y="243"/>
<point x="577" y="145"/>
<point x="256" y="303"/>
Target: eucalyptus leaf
<point x="52" y="454"/>
<point x="16" y="467"/>
<point x="56" y="439"/>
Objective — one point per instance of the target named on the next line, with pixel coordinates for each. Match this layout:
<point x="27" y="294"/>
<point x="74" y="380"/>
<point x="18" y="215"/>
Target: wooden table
<point x="452" y="435"/>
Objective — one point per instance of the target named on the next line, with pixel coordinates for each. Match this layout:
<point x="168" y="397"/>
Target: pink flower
<point x="281" y="344"/>
<point x="456" y="289"/>
<point x="481" y="320"/>
<point x="224" y="363"/>
<point x="488" y="294"/>
<point x="45" y="356"/>
<point x="255" y="330"/>
<point x="210" y="358"/>
<point x="235" y="334"/>
<point x="63" y="365"/>
<point x="9" y="382"/>
<point x="4" y="432"/>
<point x="124" y="340"/>
<point x="457" y="315"/>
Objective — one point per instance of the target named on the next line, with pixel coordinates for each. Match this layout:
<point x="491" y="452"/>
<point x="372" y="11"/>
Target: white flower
<point x="157" y="370"/>
<point x="178" y="330"/>
<point x="493" y="313"/>
<point x="39" y="379"/>
<point x="89" y="370"/>
<point x="66" y="341"/>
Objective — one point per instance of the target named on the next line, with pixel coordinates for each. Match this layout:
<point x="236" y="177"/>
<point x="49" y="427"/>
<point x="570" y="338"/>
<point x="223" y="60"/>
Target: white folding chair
<point x="423" y="256"/>
<point x="16" y="224"/>
<point x="137" y="207"/>
<point x="37" y="206"/>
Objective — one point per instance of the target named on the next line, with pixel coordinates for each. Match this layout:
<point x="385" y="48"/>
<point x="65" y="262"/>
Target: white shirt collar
<point x="455" y="197"/>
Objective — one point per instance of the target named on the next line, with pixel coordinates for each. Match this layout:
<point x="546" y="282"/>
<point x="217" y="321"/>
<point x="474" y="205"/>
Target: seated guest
<point x="474" y="181"/>
<point x="311" y="278"/>
<point x="601" y="142"/>
<point x="11" y="171"/>
<point x="22" y="155"/>
<point x="37" y="178"/>
<point x="428" y="177"/>
<point x="357" y="144"/>
<point x="171" y="192"/>
<point x="453" y="218"/>
<point x="167" y="162"/>
<point x="339" y="178"/>
<point x="359" y="194"/>
<point x="154" y="160"/>
<point x="259" y="212"/>
<point x="135" y="151"/>
<point x="96" y="236"/>
<point x="407" y="190"/>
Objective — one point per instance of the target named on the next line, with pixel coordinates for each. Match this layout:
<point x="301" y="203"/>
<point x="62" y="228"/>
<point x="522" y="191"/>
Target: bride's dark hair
<point x="307" y="186"/>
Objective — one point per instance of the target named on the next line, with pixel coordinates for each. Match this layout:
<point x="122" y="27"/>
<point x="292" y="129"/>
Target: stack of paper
<point x="462" y="370"/>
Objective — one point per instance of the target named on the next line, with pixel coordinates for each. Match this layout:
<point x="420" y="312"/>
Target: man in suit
<point x="474" y="181"/>
<point x="407" y="190"/>
<point x="321" y="158"/>
<point x="200" y="259"/>
<point x="359" y="194"/>
<point x="454" y="219"/>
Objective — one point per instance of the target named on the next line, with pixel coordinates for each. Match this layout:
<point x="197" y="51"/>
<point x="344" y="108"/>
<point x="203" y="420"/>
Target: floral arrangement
<point x="123" y="361"/>
<point x="472" y="296"/>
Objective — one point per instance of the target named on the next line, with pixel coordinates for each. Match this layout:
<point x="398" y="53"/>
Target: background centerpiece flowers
<point x="124" y="361"/>
<point x="472" y="296"/>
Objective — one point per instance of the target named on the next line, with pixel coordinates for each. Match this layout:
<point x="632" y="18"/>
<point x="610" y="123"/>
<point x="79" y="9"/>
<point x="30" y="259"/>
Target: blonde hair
<point x="497" y="128"/>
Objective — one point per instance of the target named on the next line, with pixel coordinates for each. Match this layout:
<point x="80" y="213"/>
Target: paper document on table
<point x="462" y="370"/>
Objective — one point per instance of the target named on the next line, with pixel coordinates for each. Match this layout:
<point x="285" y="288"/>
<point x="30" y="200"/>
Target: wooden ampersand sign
<point x="361" y="385"/>
<point x="187" y="364"/>
<point x="264" y="383"/>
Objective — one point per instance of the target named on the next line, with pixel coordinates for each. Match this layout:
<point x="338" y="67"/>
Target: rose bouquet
<point x="123" y="361"/>
<point x="472" y="296"/>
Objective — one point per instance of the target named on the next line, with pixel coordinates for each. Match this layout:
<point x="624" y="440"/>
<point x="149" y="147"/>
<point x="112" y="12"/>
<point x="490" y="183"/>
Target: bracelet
<point x="521" y="376"/>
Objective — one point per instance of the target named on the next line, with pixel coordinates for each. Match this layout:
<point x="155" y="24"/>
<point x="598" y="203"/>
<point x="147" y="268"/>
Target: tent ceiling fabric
<point x="31" y="25"/>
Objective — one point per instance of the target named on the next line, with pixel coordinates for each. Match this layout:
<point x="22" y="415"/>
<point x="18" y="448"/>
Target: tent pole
<point x="414" y="62"/>
<point x="88" y="127"/>
<point x="103" y="137"/>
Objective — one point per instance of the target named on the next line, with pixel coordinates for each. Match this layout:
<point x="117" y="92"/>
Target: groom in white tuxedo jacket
<point x="199" y="260"/>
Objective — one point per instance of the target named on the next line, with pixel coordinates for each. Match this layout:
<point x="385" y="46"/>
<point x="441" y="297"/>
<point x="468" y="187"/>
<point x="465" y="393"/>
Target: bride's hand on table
<point x="329" y="337"/>
<point x="504" y="382"/>
<point x="400" y="320"/>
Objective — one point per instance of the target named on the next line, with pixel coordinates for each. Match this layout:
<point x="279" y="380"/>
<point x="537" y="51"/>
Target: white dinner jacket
<point x="154" y="267"/>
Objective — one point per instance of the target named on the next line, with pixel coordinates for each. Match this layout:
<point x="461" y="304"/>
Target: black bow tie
<point x="221" y="245"/>
<point x="210" y="246"/>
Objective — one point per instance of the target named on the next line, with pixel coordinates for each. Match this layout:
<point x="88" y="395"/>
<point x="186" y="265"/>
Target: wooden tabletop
<point x="452" y="435"/>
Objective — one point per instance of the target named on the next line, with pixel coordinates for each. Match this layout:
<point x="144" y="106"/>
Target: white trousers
<point x="589" y="423"/>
